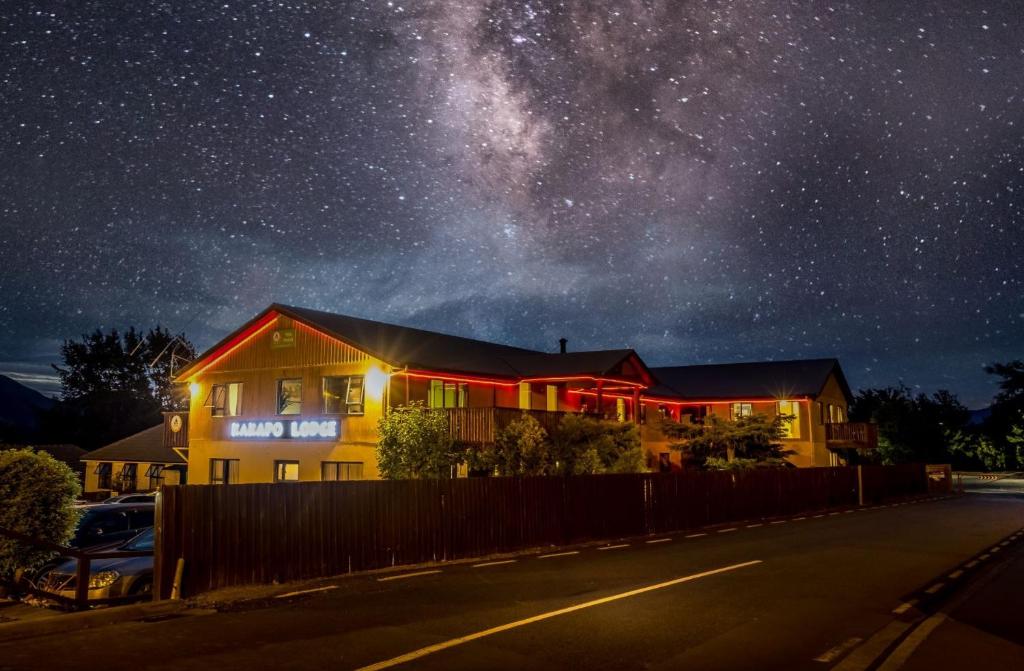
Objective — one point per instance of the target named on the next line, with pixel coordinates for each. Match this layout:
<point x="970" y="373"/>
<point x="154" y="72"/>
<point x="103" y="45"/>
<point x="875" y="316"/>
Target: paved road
<point x="790" y="593"/>
<point x="1011" y="483"/>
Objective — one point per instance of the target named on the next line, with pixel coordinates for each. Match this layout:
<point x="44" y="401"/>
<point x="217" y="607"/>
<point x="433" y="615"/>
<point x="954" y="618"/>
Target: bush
<point x="37" y="495"/>
<point x="583" y="445"/>
<point x="414" y="443"/>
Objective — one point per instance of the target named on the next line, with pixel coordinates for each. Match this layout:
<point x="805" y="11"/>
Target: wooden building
<point x="139" y="463"/>
<point x="296" y="394"/>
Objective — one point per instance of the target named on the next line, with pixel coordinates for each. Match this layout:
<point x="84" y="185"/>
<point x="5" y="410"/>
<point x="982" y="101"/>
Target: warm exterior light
<point x="375" y="381"/>
<point x="193" y="389"/>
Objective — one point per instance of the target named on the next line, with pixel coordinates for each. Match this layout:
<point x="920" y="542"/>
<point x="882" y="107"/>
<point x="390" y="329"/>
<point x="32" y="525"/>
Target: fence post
<point x="82" y="582"/>
<point x="860" y="485"/>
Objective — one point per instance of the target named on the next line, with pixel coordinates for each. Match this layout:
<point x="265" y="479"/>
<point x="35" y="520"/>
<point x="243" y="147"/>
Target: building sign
<point x="281" y="338"/>
<point x="276" y="429"/>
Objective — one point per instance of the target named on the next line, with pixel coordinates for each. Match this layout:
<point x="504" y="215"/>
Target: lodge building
<point x="295" y="395"/>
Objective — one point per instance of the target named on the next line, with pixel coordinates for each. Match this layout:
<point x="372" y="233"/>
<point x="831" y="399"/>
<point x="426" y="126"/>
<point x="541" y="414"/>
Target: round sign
<point x="175" y="423"/>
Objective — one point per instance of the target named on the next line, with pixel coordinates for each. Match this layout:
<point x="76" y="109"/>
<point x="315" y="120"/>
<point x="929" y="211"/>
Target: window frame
<point x="793" y="428"/>
<point x="222" y="410"/>
<point x="226" y="471"/>
<point x="280" y="411"/>
<point x="155" y="473"/>
<point x="285" y="462"/>
<point x="343" y="401"/>
<point x="734" y="415"/>
<point x="525" y="396"/>
<point x="104" y="473"/>
<point x="349" y="466"/>
<point x="439" y="388"/>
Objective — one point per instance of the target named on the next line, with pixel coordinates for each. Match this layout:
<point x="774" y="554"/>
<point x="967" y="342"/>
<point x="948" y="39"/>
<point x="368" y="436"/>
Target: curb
<point x="62" y="624"/>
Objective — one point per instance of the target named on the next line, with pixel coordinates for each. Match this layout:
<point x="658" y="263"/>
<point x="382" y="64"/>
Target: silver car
<point x="108" y="578"/>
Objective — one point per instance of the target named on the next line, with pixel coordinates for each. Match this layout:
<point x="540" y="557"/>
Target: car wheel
<point x="142" y="587"/>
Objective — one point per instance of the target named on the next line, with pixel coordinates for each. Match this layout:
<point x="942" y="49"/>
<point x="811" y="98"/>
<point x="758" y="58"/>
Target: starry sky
<point x="702" y="181"/>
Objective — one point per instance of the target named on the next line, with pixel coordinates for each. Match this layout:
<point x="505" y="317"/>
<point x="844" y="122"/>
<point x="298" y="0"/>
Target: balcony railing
<point x="481" y="425"/>
<point x="862" y="435"/>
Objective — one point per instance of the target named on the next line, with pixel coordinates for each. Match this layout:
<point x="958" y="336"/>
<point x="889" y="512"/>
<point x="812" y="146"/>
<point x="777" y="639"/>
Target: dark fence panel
<point x="243" y="534"/>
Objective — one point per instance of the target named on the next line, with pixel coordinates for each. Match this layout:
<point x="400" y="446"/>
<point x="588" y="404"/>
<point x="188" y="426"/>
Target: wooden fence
<point x="242" y="534"/>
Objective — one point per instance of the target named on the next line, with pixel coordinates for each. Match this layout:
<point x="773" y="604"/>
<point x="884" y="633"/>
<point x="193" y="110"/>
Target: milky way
<point x="702" y="181"/>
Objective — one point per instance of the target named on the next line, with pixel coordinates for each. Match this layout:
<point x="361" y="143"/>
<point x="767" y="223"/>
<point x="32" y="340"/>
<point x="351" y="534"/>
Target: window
<point x="155" y="473"/>
<point x="126" y="479"/>
<point x="103" y="470"/>
<point x="524" y="395"/>
<point x="791" y="427"/>
<point x="341" y="470"/>
<point x="552" y="398"/>
<point x="343" y="395"/>
<point x="836" y="415"/>
<point x="286" y="471"/>
<point x="738" y="410"/>
<point x="620" y="409"/>
<point x="448" y="394"/>
<point x="289" y="396"/>
<point x="223" y="471"/>
<point x="226" y="399"/>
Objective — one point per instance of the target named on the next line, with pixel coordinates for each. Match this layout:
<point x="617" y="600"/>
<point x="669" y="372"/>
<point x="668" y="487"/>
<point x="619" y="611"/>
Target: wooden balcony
<point x="481" y="425"/>
<point x="859" y="435"/>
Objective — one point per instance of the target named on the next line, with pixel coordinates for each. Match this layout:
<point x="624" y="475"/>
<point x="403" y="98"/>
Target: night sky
<point x="701" y="181"/>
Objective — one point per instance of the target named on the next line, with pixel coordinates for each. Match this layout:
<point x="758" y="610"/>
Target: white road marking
<point x="495" y="563"/>
<point x="407" y="575"/>
<point x="695" y="536"/>
<point x="725" y="531"/>
<point x="956" y="574"/>
<point x="659" y="540"/>
<point x="778" y="522"/>
<point x="904" y="607"/>
<point x="904" y="650"/>
<point x="838" y="651"/>
<point x="847" y="512"/>
<point x="451" y="643"/>
<point x="830" y="514"/>
<point x="935" y="588"/>
<point x="306" y="591"/>
<point x="983" y="557"/>
<point x="614" y="547"/>
<point x="817" y="516"/>
<point x="754" y="526"/>
<point x="797" y="519"/>
<point x="559" y="554"/>
<point x="995" y="549"/>
<point x="971" y="564"/>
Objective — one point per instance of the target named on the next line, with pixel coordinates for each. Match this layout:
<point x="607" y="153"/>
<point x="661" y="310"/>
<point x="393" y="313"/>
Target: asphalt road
<point x="771" y="596"/>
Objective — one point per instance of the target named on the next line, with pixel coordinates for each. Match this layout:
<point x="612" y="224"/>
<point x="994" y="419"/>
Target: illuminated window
<point x="341" y="470"/>
<point x="836" y="415"/>
<point x="226" y="399"/>
<point x="343" y="395"/>
<point x="790" y="427"/>
<point x="737" y="410"/>
<point x="448" y="394"/>
<point x="289" y="396"/>
<point x="223" y="471"/>
<point x="552" y="394"/>
<point x="103" y="470"/>
<point x="620" y="409"/>
<point x="524" y="395"/>
<point x="286" y="471"/>
<point x="155" y="473"/>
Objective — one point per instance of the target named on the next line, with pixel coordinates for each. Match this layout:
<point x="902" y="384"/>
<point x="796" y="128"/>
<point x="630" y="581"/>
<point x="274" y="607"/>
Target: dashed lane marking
<point x="725" y="531"/>
<point x="956" y="574"/>
<point x="935" y="588"/>
<point x="495" y="563"/>
<point x="904" y="607"/>
<point x="695" y="535"/>
<point x="971" y="564"/>
<point x="306" y="591"/>
<point x="838" y="651"/>
<point x="407" y="575"/>
<point x="614" y="547"/>
<point x="797" y="519"/>
<point x="658" y="540"/>
<point x="558" y="554"/>
<point x="451" y="643"/>
<point x="754" y="526"/>
<point x="778" y="522"/>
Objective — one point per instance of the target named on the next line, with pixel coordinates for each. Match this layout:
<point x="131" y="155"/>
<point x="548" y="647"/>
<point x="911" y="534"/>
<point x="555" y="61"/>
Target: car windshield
<point x="143" y="541"/>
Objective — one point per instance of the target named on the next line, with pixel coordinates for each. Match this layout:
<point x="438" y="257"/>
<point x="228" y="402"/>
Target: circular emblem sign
<point x="176" y="423"/>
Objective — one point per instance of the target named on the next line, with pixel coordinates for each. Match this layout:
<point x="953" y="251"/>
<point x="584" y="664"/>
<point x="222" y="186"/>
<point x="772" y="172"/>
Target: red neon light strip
<point x="697" y="402"/>
<point x="428" y="375"/>
<point x="236" y="342"/>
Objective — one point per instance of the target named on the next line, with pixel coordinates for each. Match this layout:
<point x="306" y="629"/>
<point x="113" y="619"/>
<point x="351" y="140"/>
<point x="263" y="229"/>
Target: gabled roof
<point x="418" y="349"/>
<point x="145" y="446"/>
<point x="754" y="380"/>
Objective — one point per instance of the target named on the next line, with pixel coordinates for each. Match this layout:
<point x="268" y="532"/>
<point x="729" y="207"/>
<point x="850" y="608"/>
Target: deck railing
<point x="863" y="434"/>
<point x="481" y="425"/>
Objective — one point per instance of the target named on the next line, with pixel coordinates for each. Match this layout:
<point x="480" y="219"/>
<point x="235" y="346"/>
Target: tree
<point x="752" y="440"/>
<point x="584" y="445"/>
<point x="911" y="428"/>
<point x="522" y="448"/>
<point x="1008" y="406"/>
<point x="414" y="442"/>
<point x="38" y="494"/>
<point x="113" y="385"/>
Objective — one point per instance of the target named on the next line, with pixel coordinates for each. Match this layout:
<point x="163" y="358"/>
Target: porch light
<point x="375" y="381"/>
<point x="193" y="389"/>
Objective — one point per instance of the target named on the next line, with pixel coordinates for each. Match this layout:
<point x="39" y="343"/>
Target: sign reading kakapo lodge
<point x="275" y="429"/>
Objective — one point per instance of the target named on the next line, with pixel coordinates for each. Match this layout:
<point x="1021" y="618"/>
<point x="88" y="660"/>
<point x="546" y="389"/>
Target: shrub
<point x="37" y="495"/>
<point x="414" y="443"/>
<point x="521" y="448"/>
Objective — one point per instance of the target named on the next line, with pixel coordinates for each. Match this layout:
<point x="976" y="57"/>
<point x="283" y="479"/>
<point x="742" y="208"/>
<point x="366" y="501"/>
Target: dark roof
<point x="418" y="349"/>
<point x="145" y="446"/>
<point x="759" y="379"/>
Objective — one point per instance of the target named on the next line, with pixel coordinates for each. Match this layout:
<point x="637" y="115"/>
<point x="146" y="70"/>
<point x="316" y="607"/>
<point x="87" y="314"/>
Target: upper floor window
<point x="836" y="414"/>
<point x="552" y="398"/>
<point x="524" y="395"/>
<point x="620" y="409"/>
<point x="448" y="394"/>
<point x="289" y="396"/>
<point x="737" y="410"/>
<point x="226" y="399"/>
<point x="343" y="395"/>
<point x="790" y="427"/>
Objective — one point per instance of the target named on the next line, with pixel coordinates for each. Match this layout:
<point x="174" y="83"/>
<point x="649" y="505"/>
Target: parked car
<point x="108" y="578"/>
<point x="105" y="525"/>
<point x="147" y="497"/>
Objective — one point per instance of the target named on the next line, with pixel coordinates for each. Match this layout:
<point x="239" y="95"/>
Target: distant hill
<point x="19" y="410"/>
